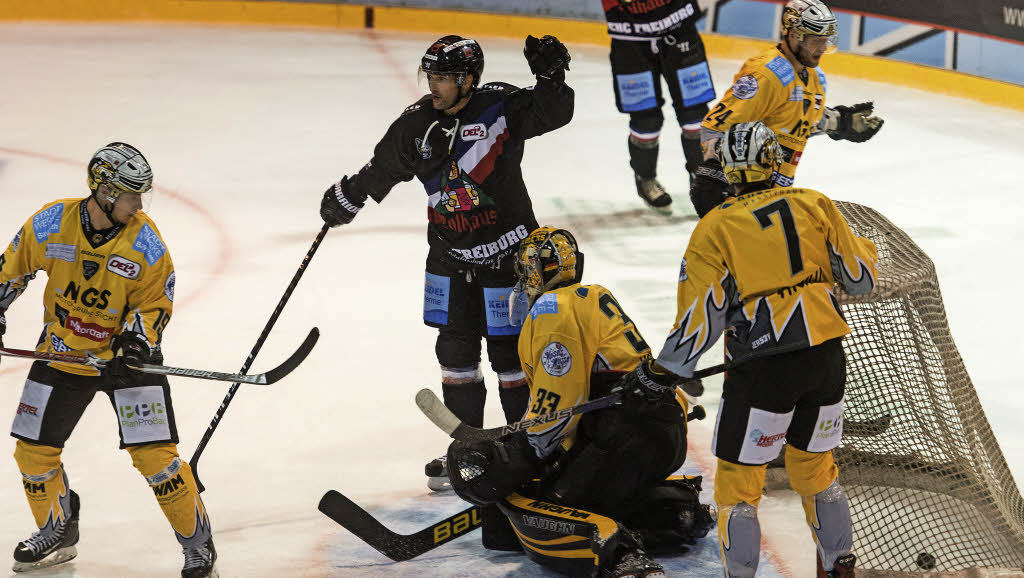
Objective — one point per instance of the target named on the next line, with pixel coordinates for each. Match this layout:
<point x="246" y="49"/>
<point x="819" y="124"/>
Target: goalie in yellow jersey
<point x="109" y="294"/>
<point x="784" y="88"/>
<point x="762" y="267"/>
<point x="600" y="503"/>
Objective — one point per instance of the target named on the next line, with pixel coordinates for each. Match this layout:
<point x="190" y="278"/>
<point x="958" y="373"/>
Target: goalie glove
<point x="130" y="349"/>
<point x="853" y="123"/>
<point x="548" y="58"/>
<point x="340" y="203"/>
<point x="483" y="472"/>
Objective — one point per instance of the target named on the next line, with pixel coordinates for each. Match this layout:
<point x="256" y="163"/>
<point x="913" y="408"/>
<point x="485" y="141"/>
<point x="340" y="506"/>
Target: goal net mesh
<point x="929" y="488"/>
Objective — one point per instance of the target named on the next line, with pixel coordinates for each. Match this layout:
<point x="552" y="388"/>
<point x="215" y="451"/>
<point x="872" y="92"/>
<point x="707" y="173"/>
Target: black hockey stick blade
<point x="398" y="547"/>
<point x="295" y="360"/>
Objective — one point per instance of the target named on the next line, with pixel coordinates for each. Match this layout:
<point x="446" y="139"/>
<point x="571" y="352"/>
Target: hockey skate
<point x="437" y="474"/>
<point x="634" y="563"/>
<point x="49" y="546"/>
<point x="842" y="568"/>
<point x="654" y="194"/>
<point x="200" y="562"/>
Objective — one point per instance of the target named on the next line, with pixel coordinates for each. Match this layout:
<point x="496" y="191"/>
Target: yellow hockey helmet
<point x="546" y="259"/>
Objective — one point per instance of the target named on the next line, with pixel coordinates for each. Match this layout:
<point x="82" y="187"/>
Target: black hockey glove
<point x="129" y="348"/>
<point x="340" y="203"/>
<point x="708" y="187"/>
<point x="647" y="387"/>
<point x="484" y="472"/>
<point x="547" y="56"/>
<point x="856" y="123"/>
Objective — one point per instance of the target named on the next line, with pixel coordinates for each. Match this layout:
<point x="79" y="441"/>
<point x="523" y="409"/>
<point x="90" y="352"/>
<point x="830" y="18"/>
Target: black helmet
<point x="454" y="55"/>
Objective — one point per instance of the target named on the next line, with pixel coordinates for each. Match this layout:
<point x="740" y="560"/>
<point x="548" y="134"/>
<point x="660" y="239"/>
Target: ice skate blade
<point x="57" y="557"/>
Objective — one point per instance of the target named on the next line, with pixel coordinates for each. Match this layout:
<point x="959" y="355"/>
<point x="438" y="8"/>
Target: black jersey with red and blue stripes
<point x="478" y="207"/>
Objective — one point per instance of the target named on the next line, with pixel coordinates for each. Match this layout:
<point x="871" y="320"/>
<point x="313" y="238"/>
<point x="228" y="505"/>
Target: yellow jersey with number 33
<point x="764" y="265"/>
<point x="96" y="287"/>
<point x="573" y="338"/>
<point x="768" y="89"/>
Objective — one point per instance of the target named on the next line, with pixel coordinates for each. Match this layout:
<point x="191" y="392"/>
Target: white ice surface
<point x="245" y="127"/>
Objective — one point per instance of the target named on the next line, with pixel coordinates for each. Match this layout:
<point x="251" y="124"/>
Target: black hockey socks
<point x="692" y="149"/>
<point x="643" y="157"/>
<point x="514" y="401"/>
<point x="466" y="400"/>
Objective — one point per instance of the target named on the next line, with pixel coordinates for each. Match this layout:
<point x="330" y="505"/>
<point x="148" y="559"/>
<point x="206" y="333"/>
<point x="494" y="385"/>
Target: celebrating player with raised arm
<point x="109" y="294"/>
<point x="784" y="88"/>
<point x="762" y="266"/>
<point x="464" y="142"/>
<point x="602" y="502"/>
<point x="651" y="41"/>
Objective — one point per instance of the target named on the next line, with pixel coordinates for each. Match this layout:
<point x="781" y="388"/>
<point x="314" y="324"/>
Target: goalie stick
<point x="443" y="418"/>
<point x="272" y="376"/>
<point x="398" y="547"/>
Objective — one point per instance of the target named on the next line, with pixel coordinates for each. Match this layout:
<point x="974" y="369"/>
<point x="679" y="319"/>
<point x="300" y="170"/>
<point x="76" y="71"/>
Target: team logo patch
<point x="89" y="268"/>
<point x="47" y="222"/>
<point x="472" y="132"/>
<point x="547" y="303"/>
<point x="745" y="87"/>
<point x="169" y="287"/>
<point x="424" y="148"/>
<point x="58" y="344"/>
<point x="556" y="359"/>
<point x="149" y="244"/>
<point x="682" y="271"/>
<point x="124" y="267"/>
<point x="61" y="251"/>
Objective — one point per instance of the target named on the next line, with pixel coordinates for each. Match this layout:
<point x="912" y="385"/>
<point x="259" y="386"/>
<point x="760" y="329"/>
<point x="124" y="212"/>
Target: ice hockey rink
<point x="245" y="128"/>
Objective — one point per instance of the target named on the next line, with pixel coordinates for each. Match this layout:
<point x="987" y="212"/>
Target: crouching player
<point x="590" y="494"/>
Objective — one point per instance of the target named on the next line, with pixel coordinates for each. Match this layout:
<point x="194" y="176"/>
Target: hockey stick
<point x="398" y="547"/>
<point x="272" y="376"/>
<point x="194" y="462"/>
<point x="443" y="418"/>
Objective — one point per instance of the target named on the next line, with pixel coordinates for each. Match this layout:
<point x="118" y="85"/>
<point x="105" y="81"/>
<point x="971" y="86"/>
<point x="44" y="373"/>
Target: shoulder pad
<point x="416" y="105"/>
<point x="782" y="69"/>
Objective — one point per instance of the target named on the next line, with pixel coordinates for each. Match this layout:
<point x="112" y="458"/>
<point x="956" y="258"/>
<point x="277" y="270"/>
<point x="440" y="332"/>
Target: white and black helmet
<point x="122" y="168"/>
<point x="810" y="17"/>
<point x="749" y="153"/>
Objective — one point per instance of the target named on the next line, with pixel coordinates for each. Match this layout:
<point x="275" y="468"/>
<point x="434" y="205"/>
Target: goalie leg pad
<point x="175" y="489"/>
<point x="45" y="482"/>
<point x="571" y="541"/>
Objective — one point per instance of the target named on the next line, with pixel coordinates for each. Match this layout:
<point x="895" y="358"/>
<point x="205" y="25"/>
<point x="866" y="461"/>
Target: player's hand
<point x="130" y="349"/>
<point x="856" y="123"/>
<point x="708" y="187"/>
<point x="340" y="204"/>
<point x="547" y="56"/>
<point x="647" y="387"/>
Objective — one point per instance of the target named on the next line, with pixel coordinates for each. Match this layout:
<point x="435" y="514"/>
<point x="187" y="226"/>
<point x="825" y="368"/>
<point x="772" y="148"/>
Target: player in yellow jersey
<point x="784" y="88"/>
<point x="599" y="474"/>
<point x="762" y="267"/>
<point x="109" y="294"/>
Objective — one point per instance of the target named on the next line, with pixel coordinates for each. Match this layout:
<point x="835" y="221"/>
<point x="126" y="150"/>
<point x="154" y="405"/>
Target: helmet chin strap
<point x="108" y="212"/>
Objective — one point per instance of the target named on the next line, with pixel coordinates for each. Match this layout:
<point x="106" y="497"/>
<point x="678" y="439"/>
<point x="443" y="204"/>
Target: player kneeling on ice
<point x="764" y="264"/>
<point x="109" y="295"/>
<point x="589" y="494"/>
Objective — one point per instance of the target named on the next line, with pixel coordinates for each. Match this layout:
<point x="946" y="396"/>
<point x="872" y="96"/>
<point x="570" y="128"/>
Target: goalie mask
<point x="750" y="153"/>
<point x="547" y="259"/>
<point x="812" y="21"/>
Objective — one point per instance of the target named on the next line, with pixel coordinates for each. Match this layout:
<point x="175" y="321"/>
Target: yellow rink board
<point x="349" y="16"/>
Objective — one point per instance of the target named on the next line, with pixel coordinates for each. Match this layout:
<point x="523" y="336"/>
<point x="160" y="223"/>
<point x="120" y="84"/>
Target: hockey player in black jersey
<point x="652" y="39"/>
<point x="464" y="142"/>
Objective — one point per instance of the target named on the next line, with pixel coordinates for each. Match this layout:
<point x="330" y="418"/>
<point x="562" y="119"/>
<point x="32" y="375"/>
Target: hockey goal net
<point x="928" y="485"/>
